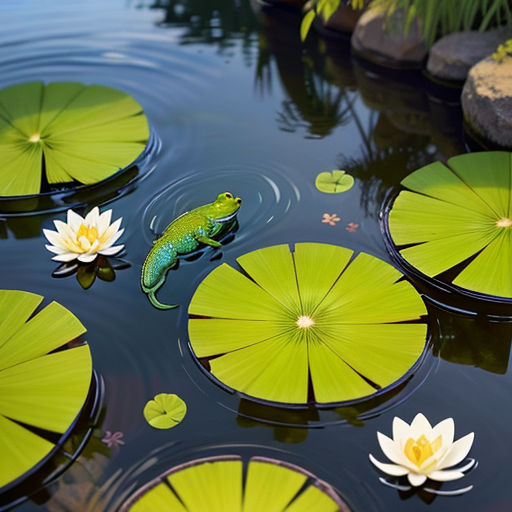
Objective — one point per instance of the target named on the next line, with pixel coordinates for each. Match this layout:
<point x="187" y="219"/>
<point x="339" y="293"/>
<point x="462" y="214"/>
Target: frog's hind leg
<point x="154" y="271"/>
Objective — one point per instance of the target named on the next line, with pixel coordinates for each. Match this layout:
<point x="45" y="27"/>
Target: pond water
<point x="240" y="105"/>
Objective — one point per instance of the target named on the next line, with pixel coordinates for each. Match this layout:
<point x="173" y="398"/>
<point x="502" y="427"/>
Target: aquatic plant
<point x="311" y="318"/>
<point x="227" y="483"/>
<point x="438" y="18"/>
<point x="334" y="182"/>
<point x="421" y="451"/>
<point x="165" y="411"/>
<point x="83" y="239"/>
<point x="44" y="381"/>
<point x="458" y="217"/>
<point x="66" y="132"/>
<point x="503" y="51"/>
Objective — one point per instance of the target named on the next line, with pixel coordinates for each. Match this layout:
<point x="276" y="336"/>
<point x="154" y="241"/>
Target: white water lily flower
<point x="83" y="239"/>
<point x="420" y="451"/>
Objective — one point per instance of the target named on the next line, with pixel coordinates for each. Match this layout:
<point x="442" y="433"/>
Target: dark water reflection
<point x="241" y="105"/>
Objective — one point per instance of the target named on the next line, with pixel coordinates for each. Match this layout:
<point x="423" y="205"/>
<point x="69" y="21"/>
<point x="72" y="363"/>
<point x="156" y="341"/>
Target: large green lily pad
<point x="459" y="213"/>
<point x="43" y="383"/>
<point x="69" y="131"/>
<point x="307" y="319"/>
<point x="227" y="484"/>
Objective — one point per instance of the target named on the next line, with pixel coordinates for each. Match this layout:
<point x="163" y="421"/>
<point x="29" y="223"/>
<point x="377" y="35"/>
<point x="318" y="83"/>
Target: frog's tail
<point x="152" y="298"/>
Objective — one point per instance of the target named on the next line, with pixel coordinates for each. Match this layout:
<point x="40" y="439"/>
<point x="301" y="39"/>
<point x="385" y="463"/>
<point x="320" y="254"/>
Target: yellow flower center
<point x="421" y="449"/>
<point x="35" y="138"/>
<point x="304" y="321"/>
<point x="90" y="233"/>
<point x="504" y="222"/>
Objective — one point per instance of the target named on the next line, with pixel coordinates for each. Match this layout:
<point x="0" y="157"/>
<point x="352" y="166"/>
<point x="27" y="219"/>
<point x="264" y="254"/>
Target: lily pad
<point x="68" y="131"/>
<point x="334" y="182"/>
<point x="458" y="218"/>
<point x="229" y="484"/>
<point x="165" y="411"/>
<point x="43" y="381"/>
<point x="308" y="325"/>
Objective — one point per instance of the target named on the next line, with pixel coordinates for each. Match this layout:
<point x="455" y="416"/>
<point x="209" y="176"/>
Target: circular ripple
<point x="267" y="196"/>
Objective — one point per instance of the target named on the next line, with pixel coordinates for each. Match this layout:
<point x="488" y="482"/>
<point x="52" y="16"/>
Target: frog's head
<point x="226" y="206"/>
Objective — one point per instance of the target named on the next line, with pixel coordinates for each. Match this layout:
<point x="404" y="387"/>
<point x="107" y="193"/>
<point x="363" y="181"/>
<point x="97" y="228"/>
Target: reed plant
<point x="436" y="17"/>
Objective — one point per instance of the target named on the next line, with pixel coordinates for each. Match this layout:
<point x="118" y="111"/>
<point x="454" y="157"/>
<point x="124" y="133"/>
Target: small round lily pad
<point x="165" y="411"/>
<point x="334" y="182"/>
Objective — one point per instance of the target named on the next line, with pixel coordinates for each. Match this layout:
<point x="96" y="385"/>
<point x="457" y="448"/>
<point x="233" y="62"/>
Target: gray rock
<point x="453" y="55"/>
<point x="382" y="37"/>
<point x="487" y="100"/>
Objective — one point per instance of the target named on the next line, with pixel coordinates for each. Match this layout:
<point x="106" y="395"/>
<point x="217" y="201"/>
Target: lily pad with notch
<point x="65" y="133"/>
<point x="452" y="225"/>
<point x="165" y="411"/>
<point x="44" y="382"/>
<point x="334" y="182"/>
<point x="313" y="325"/>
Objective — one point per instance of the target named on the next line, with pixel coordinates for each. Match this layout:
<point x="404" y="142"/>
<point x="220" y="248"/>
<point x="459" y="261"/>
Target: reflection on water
<point x="475" y="341"/>
<point x="313" y="103"/>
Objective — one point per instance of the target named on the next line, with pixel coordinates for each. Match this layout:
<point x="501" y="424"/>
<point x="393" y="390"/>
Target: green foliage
<point x="165" y="411"/>
<point x="325" y="8"/>
<point x="72" y="131"/>
<point x="459" y="213"/>
<point x="42" y="385"/>
<point x="503" y="51"/>
<point x="441" y="17"/>
<point x="311" y="315"/>
<point x="219" y="485"/>
<point x="334" y="182"/>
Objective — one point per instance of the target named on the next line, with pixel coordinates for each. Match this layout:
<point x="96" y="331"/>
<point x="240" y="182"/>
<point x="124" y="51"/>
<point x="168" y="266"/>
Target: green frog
<point x="184" y="235"/>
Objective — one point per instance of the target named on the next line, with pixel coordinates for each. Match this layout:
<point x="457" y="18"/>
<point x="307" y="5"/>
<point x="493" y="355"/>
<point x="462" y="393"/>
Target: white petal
<point x="400" y="430"/>
<point x="391" y="450"/>
<point x="111" y="250"/>
<point x="87" y="258"/>
<point x="420" y="426"/>
<point x="91" y="219"/>
<point x="446" y="430"/>
<point x="62" y="227"/>
<point x="94" y="246"/>
<point x="416" y="480"/>
<point x="86" y="245"/>
<point x="445" y="476"/>
<point x="68" y="256"/>
<point x="103" y="222"/>
<point x="390" y="469"/>
<point x="67" y="232"/>
<point x="113" y="239"/>
<point x="56" y="250"/>
<point x="113" y="228"/>
<point x="74" y="220"/>
<point x="54" y="238"/>
<point x="458" y="451"/>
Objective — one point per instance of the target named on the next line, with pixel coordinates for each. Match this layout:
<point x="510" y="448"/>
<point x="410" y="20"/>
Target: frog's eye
<point x="228" y="195"/>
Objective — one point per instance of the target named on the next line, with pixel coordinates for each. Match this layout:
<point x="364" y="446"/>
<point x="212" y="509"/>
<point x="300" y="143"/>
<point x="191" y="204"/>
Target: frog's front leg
<point x="208" y="241"/>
